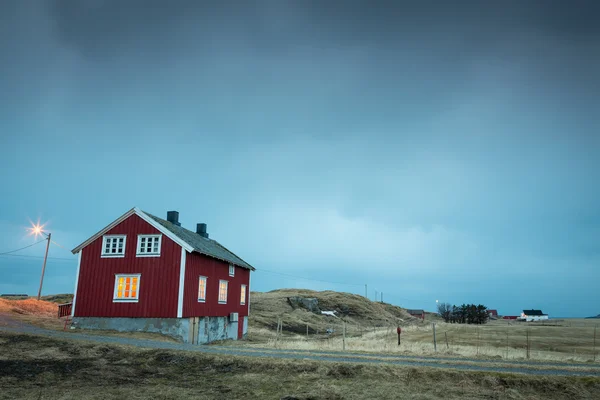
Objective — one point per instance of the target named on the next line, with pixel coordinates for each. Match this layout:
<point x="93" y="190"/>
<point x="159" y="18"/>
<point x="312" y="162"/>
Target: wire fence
<point x="555" y="340"/>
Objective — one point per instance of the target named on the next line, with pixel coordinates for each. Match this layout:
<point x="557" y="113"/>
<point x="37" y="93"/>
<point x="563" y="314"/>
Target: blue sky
<point x="431" y="152"/>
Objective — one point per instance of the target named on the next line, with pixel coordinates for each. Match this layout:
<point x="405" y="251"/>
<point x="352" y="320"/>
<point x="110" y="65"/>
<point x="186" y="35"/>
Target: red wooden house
<point x="144" y="273"/>
<point x="417" y="313"/>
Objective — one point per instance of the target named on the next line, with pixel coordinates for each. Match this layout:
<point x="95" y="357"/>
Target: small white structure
<point x="329" y="313"/>
<point x="532" y="315"/>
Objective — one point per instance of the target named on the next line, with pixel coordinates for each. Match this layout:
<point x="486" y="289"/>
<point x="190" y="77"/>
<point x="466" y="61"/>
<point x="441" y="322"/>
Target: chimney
<point x="201" y="230"/>
<point x="173" y="217"/>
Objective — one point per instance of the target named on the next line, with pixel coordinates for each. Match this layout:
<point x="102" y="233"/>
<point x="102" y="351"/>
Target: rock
<point x="311" y="304"/>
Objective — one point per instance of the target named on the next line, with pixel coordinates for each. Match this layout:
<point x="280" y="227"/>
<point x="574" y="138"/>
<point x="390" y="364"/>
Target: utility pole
<point x="375" y="294"/>
<point x="44" y="267"/>
<point x="366" y="292"/>
<point x="382" y="297"/>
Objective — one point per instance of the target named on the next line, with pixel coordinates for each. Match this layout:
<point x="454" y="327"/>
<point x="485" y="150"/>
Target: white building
<point x="532" y="315"/>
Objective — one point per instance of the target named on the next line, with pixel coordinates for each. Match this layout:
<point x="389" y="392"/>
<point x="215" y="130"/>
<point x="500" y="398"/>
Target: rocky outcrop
<point x="310" y="304"/>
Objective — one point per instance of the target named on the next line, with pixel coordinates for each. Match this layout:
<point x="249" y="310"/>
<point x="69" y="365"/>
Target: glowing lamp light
<point x="36" y="229"/>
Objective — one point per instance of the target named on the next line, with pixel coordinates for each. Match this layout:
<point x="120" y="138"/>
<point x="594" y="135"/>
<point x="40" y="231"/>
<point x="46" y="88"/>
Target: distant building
<point x="532" y="315"/>
<point x="417" y="313"/>
<point x="493" y="314"/>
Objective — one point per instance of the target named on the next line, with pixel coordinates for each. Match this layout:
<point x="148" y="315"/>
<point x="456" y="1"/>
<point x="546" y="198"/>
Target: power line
<point x="309" y="279"/>
<point x="38" y="257"/>
<point x="22" y="248"/>
<point x="58" y="244"/>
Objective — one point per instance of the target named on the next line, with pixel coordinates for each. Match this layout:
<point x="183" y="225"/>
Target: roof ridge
<point x="207" y="246"/>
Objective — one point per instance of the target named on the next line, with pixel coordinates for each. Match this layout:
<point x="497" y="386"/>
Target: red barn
<point x="144" y="273"/>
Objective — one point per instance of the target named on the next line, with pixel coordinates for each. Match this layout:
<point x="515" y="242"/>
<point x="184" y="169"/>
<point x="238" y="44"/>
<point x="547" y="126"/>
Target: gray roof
<point x="202" y="245"/>
<point x="418" y="312"/>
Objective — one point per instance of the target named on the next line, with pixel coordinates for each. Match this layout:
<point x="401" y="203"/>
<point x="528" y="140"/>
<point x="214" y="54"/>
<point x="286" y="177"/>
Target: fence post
<point x="595" y="328"/>
<point x="507" y="342"/>
<point x="477" y="340"/>
<point x="277" y="333"/>
<point x="527" y="331"/>
<point x="344" y="335"/>
<point x="446" y="334"/>
<point x="434" y="341"/>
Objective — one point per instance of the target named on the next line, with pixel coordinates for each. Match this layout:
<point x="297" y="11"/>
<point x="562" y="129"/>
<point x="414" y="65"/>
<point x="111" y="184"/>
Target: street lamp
<point x="39" y="230"/>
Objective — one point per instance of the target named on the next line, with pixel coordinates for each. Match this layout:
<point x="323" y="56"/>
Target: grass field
<point x="568" y="340"/>
<point x="35" y="367"/>
<point x="371" y="327"/>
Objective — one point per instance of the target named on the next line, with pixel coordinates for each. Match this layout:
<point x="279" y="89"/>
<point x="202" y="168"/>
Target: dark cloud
<point x="158" y="27"/>
<point x="421" y="136"/>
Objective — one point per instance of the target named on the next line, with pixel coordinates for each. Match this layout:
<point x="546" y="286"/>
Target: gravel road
<point x="466" y="364"/>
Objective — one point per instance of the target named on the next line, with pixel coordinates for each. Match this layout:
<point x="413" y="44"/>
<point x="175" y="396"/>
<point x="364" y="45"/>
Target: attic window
<point x="148" y="245"/>
<point x="231" y="270"/>
<point x="113" y="246"/>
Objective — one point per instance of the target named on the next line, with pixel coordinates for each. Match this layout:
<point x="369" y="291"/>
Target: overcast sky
<point x="445" y="150"/>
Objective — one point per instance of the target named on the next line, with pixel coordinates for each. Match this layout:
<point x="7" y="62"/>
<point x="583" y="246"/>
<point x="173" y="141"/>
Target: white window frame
<point x="139" y="253"/>
<point x="103" y="254"/>
<point x="226" y="291"/>
<point x="128" y="299"/>
<point x="231" y="270"/>
<point x="200" y="278"/>
<point x="243" y="290"/>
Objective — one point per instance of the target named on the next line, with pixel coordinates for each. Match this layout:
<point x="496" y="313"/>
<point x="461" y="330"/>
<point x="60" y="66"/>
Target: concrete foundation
<point x="196" y="330"/>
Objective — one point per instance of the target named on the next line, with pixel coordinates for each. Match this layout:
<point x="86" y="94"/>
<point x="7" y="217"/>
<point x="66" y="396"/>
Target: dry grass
<point x="33" y="367"/>
<point x="29" y="307"/>
<point x="267" y="307"/>
<point x="547" y="342"/>
<point x="371" y="327"/>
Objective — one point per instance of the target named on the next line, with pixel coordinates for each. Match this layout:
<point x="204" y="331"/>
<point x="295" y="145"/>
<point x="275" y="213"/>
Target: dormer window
<point x="231" y="270"/>
<point x="148" y="245"/>
<point x="113" y="246"/>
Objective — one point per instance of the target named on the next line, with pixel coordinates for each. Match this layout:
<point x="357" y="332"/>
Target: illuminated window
<point x="243" y="295"/>
<point x="202" y="289"/>
<point x="231" y="270"/>
<point x="222" y="292"/>
<point x="127" y="288"/>
<point x="148" y="245"/>
<point x="113" y="246"/>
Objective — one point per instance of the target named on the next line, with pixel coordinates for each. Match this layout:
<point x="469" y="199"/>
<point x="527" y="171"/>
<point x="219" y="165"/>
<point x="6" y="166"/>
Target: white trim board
<point x="76" y="283"/>
<point x="143" y="216"/>
<point x="181" y="283"/>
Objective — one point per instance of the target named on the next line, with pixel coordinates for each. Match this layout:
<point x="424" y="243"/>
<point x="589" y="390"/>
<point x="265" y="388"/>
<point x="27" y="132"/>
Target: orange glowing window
<point x="127" y="288"/>
<point x="202" y="288"/>
<point x="222" y="292"/>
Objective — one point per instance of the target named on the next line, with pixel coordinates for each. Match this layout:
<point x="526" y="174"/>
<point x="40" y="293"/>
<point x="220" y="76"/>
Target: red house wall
<point x="200" y="265"/>
<point x="159" y="281"/>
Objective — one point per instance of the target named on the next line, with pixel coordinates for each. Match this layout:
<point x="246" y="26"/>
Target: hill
<point x="299" y="309"/>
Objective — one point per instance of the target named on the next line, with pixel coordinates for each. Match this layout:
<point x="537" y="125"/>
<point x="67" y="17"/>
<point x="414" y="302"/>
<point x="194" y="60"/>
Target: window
<point x="223" y="292"/>
<point x="243" y="295"/>
<point x="148" y="245"/>
<point x="202" y="289"/>
<point x="113" y="246"/>
<point x="127" y="288"/>
<point x="231" y="270"/>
